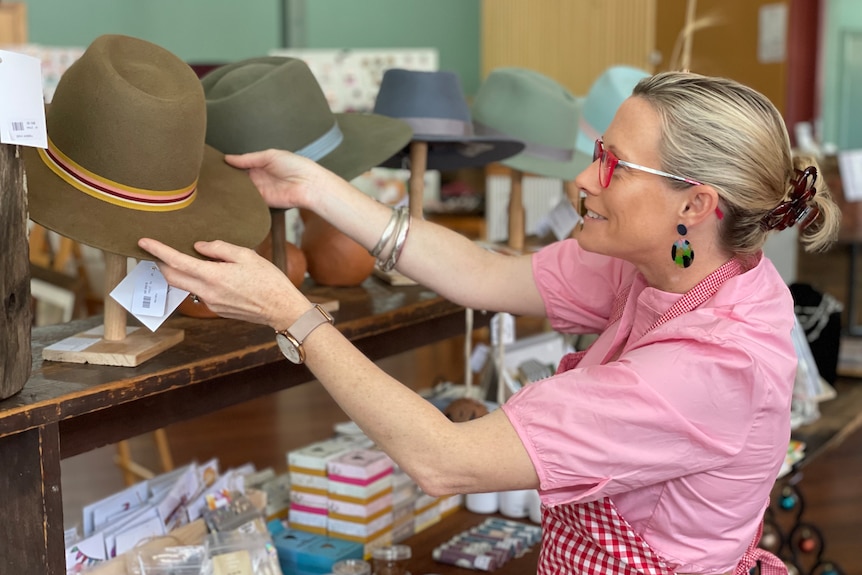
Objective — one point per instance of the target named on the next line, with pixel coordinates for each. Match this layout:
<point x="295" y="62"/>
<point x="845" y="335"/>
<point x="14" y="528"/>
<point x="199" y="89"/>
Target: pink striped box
<point x="359" y="464"/>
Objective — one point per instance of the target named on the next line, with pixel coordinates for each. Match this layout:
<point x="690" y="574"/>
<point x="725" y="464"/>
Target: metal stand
<point x="798" y="543"/>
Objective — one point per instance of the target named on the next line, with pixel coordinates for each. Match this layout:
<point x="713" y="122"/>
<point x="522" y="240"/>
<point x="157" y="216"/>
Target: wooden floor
<point x="262" y="431"/>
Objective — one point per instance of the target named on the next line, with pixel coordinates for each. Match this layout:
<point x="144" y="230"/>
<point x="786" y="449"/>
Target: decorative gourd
<point x="333" y="258"/>
<point x="296" y="262"/>
<point x="198" y="309"/>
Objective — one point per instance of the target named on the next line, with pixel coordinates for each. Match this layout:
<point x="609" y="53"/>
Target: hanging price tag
<point x="146" y="294"/>
<point x="151" y="291"/>
<point x="502" y="329"/>
<point x="22" y="108"/>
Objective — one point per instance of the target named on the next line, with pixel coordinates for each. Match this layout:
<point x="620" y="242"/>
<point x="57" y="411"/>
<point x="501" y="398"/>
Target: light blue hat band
<point x="322" y="146"/>
<point x="439" y="127"/>
<point x="539" y="151"/>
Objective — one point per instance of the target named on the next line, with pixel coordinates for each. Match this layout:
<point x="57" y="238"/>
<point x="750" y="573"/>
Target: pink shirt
<point x="686" y="431"/>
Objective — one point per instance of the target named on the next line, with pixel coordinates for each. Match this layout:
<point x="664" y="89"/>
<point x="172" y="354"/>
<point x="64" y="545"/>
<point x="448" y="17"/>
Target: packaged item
<point x="176" y="560"/>
<point x="391" y="560"/>
<point x="351" y="567"/>
<point x="238" y="553"/>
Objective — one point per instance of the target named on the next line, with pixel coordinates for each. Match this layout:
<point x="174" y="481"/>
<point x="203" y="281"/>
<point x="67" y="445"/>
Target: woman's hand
<point x="284" y="179"/>
<point x="239" y="284"/>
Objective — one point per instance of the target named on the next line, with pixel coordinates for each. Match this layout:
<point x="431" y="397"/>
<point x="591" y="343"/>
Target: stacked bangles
<point x="398" y="226"/>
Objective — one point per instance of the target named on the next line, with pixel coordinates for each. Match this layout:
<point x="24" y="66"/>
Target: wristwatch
<point x="290" y="340"/>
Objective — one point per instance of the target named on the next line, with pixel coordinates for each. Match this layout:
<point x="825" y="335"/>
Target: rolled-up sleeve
<point x="565" y="273"/>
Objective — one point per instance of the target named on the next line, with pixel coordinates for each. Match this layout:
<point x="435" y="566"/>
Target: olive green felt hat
<point x="276" y="102"/>
<point x="524" y="104"/>
<point x="127" y="157"/>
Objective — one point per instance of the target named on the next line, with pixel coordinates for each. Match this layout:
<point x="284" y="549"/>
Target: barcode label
<point x="146" y="302"/>
<point x="23" y="131"/>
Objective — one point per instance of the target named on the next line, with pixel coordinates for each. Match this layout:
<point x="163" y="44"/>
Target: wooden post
<point x="416" y="189"/>
<point x="13" y="23"/>
<point x="15" y="317"/>
<point x="279" y="237"/>
<point x="517" y="219"/>
<point x="115" y="314"/>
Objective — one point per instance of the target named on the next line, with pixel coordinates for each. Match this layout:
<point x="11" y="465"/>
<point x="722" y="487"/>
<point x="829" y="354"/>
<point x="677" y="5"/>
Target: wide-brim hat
<point x="525" y="104"/>
<point x="433" y="104"/>
<point x="606" y="95"/>
<point x="126" y="157"/>
<point x="276" y="102"/>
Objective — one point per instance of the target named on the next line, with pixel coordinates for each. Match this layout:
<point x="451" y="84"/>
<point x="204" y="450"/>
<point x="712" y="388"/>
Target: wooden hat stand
<point x="517" y="215"/>
<point x="112" y="343"/>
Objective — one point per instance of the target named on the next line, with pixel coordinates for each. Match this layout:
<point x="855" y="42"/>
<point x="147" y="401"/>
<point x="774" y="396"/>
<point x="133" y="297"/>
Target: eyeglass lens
<point x="607" y="163"/>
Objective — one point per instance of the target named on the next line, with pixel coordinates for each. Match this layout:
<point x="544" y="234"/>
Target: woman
<point x="656" y="449"/>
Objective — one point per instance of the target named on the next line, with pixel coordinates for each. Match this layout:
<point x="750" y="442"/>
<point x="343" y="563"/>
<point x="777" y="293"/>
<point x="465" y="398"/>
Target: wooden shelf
<point x="66" y="409"/>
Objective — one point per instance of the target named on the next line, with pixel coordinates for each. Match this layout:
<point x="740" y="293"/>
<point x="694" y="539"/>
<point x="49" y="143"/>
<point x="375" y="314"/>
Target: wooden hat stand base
<point x="415" y="191"/>
<point x="112" y="343"/>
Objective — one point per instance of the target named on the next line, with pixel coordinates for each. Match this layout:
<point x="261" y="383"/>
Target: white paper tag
<point x="151" y="291"/>
<point x="22" y="108"/>
<point x="131" y="293"/>
<point x="73" y="344"/>
<point x="850" y="165"/>
<point x="479" y="357"/>
<point x="502" y="329"/>
<point x="563" y="219"/>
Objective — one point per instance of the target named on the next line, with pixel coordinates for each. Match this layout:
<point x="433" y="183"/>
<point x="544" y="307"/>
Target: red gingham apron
<point x="593" y="538"/>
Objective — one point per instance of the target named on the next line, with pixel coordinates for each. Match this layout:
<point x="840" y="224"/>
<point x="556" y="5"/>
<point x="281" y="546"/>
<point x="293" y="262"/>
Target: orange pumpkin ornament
<point x="296" y="262"/>
<point x="333" y="258"/>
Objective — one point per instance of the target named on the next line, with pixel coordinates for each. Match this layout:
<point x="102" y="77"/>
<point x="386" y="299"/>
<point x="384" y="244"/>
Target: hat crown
<point x="261" y="103"/>
<point x="606" y="95"/>
<point x="419" y="94"/>
<point x="528" y="105"/>
<point x="130" y="112"/>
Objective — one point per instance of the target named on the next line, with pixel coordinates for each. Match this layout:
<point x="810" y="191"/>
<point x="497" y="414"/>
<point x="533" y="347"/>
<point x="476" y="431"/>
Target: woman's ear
<point x="702" y="201"/>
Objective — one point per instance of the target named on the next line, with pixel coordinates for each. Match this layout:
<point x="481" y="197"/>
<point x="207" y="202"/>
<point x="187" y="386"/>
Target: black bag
<point x="820" y="317"/>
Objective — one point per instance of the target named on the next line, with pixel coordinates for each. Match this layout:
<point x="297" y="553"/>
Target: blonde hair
<point x="729" y="136"/>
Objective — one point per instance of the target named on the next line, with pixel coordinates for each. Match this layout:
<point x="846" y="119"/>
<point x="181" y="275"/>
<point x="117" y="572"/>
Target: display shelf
<point x="68" y="408"/>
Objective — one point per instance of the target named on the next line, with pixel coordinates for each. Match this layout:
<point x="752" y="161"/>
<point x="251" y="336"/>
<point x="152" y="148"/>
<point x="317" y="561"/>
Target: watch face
<point x="289" y="348"/>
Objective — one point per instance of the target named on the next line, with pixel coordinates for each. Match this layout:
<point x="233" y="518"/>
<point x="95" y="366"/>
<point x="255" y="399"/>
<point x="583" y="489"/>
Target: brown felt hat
<point x="127" y="157"/>
<point x="276" y="102"/>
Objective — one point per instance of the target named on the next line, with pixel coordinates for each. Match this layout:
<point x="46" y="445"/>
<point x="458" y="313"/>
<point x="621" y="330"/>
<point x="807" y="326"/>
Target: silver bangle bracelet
<point x="386" y="235"/>
<point x="400" y="239"/>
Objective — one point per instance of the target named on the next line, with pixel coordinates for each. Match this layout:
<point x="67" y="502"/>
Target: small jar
<point x="351" y="567"/>
<point x="391" y="560"/>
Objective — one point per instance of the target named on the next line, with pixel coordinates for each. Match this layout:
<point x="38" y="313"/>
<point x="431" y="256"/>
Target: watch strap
<point x="308" y="322"/>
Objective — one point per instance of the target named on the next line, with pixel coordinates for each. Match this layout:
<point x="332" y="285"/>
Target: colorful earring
<point x="681" y="252"/>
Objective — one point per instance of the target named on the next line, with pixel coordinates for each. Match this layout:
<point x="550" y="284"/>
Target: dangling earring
<point x="681" y="252"/>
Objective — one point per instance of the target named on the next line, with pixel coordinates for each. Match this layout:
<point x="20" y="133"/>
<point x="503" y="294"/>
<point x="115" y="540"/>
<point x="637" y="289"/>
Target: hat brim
<point x="228" y="207"/>
<point x="446" y="153"/>
<point x="566" y="171"/>
<point x="368" y="140"/>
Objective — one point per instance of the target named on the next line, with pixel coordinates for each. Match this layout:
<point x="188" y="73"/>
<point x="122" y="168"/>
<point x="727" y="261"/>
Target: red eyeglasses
<point x="795" y="211"/>
<point x="608" y="161"/>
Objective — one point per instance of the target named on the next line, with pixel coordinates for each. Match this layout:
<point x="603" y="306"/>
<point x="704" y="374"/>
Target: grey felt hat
<point x="433" y="104"/>
<point x="276" y="102"/>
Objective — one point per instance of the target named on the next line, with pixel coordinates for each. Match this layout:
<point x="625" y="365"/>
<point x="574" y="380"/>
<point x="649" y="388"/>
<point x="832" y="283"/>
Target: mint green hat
<point x="606" y="95"/>
<point x="523" y="104"/>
